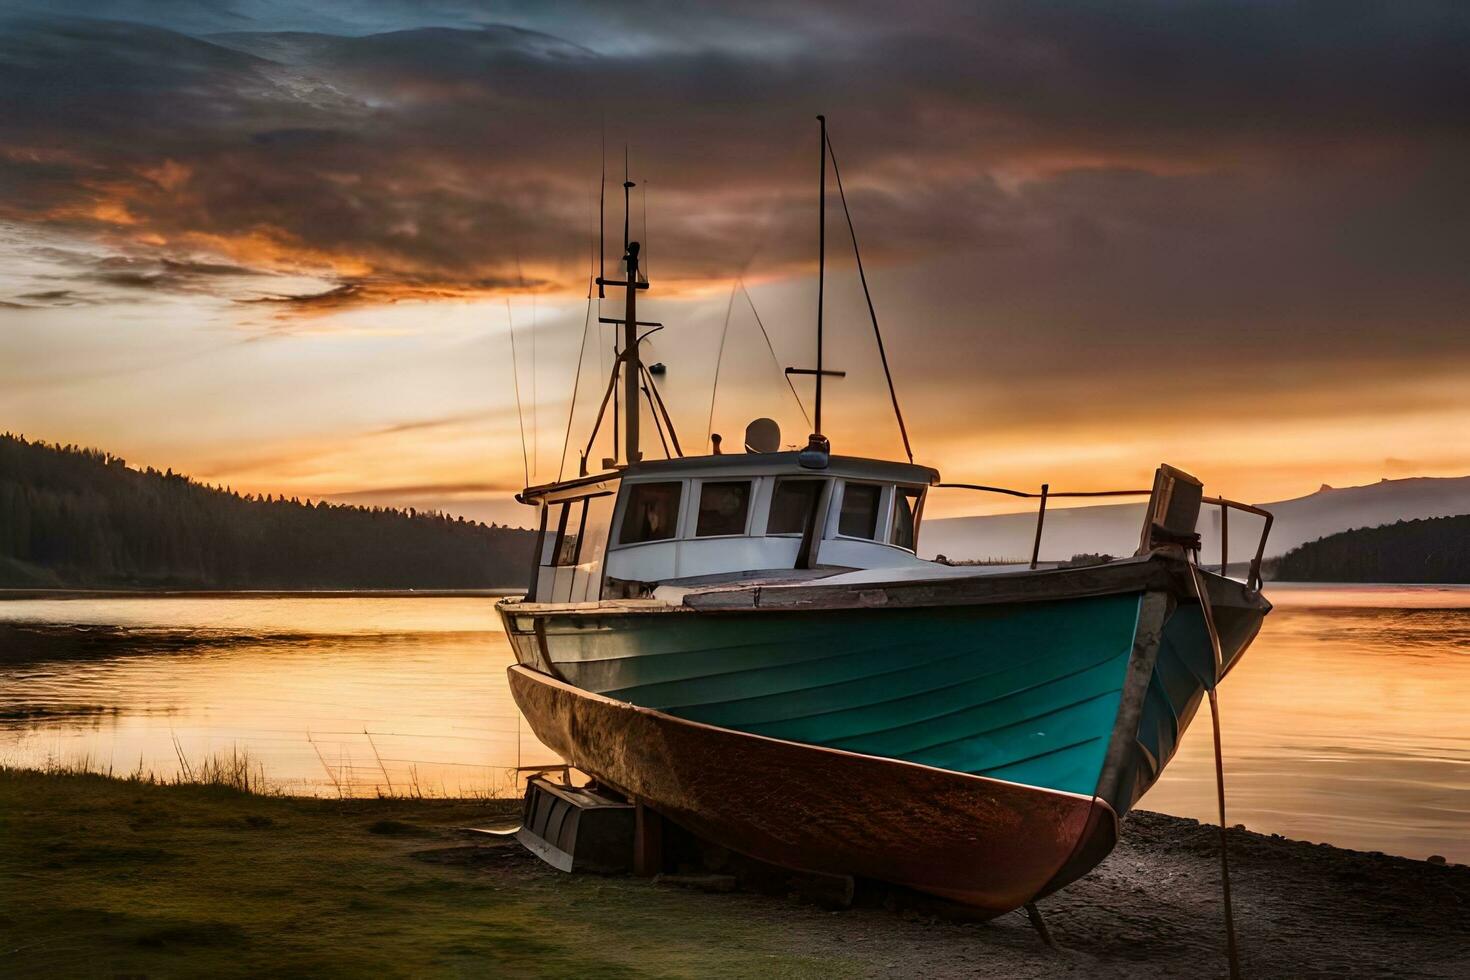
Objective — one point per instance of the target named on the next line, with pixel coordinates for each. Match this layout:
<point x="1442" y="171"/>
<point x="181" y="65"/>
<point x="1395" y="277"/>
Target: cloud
<point x="1154" y="187"/>
<point x="446" y="155"/>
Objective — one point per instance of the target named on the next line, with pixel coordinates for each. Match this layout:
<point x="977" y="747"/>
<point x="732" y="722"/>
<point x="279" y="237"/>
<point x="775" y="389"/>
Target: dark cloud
<point x="347" y="294"/>
<point x="1086" y="173"/>
<point x="96" y="278"/>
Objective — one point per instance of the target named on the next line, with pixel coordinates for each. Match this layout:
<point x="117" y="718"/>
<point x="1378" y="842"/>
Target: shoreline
<point x="191" y="879"/>
<point x="11" y="594"/>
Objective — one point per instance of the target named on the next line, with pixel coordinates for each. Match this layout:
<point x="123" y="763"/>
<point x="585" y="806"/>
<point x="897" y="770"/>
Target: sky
<point x="327" y="250"/>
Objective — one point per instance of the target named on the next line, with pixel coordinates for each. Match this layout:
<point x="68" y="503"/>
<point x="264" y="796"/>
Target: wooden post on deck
<point x="648" y="842"/>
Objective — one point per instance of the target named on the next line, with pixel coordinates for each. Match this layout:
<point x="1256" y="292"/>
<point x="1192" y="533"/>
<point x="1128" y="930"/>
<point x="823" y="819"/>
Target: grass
<point x="130" y="877"/>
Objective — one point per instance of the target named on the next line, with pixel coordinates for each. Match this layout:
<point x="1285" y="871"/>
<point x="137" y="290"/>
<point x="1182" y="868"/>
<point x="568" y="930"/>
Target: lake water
<point x="1346" y="722"/>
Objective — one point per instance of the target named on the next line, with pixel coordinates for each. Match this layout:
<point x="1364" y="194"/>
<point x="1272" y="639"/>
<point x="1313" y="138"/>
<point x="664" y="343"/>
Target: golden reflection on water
<point x="356" y="696"/>
<point x="1344" y="723"/>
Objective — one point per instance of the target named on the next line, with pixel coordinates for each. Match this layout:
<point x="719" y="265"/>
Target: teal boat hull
<point x="1027" y="692"/>
<point x="1022" y="693"/>
<point x="1072" y="689"/>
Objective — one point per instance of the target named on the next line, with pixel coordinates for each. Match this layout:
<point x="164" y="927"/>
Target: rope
<point x="1230" y="947"/>
<point x="515" y="373"/>
<point x="872" y="314"/>
<point x="1231" y="951"/>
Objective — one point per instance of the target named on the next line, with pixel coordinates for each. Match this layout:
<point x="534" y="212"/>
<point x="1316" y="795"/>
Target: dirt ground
<point x="104" y="877"/>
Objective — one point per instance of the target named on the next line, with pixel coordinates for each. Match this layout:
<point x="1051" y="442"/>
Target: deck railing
<point x="1253" y="576"/>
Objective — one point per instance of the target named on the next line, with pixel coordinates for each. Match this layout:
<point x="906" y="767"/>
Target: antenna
<point x="626" y="361"/>
<point x="602" y="219"/>
<point x="627" y="186"/>
<point x="645" y="227"/>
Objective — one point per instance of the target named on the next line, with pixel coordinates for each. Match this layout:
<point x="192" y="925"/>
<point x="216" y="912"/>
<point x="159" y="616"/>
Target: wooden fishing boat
<point x="749" y="645"/>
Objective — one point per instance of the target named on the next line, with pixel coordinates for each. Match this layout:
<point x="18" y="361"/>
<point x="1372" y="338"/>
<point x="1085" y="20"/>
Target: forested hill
<point x="81" y="518"/>
<point x="1435" y="550"/>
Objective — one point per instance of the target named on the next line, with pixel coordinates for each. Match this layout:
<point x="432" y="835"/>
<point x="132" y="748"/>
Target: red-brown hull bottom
<point x="982" y="842"/>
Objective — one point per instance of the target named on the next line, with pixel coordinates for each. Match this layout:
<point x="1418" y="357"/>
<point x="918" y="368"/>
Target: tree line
<point x="72" y="517"/>
<point x="1433" y="550"/>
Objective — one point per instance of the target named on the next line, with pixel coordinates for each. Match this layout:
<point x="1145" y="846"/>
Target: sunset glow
<point x="291" y="262"/>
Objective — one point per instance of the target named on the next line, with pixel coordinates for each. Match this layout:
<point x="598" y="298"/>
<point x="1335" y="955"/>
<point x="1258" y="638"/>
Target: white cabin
<point x="700" y="520"/>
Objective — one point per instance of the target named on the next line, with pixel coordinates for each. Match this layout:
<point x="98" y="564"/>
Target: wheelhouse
<point x="701" y="519"/>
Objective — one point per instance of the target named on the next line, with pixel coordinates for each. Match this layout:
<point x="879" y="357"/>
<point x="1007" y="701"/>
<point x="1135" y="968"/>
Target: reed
<point x="235" y="770"/>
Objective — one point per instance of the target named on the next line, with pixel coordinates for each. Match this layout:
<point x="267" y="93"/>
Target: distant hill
<point x="82" y="518"/>
<point x="1435" y="550"/>
<point x="1114" y="528"/>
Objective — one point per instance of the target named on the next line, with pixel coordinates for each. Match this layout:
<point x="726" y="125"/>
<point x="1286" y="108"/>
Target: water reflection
<point x="1345" y="722"/>
<point x="355" y="696"/>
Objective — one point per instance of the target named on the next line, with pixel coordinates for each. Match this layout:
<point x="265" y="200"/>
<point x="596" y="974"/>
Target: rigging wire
<point x="534" y="466"/>
<point x="602" y="219"/>
<point x="719" y="359"/>
<point x="657" y="407"/>
<point x="516" y="375"/>
<point x="658" y="425"/>
<point x="535" y="401"/>
<point x="566" y="442"/>
<point x="772" y="348"/>
<point x="767" y="219"/>
<point x="863" y="278"/>
<point x="739" y="285"/>
<point x="576" y="385"/>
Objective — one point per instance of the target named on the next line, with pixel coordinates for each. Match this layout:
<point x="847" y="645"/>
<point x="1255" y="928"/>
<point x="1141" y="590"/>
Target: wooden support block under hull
<point x="982" y="842"/>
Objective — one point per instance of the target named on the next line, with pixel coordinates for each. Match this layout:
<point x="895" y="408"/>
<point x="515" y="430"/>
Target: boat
<point x="748" y="644"/>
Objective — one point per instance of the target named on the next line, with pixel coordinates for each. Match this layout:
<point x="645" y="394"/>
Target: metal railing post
<point x="1253" y="574"/>
<point x="1040" y="519"/>
<point x="1224" y="538"/>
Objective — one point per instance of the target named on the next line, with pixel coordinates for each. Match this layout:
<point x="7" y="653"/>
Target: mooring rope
<point x="1230" y="948"/>
<point x="1231" y="951"/>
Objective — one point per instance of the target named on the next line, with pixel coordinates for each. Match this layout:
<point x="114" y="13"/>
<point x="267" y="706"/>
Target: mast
<point x="632" y="367"/>
<point x="627" y="363"/>
<point x="817" y="450"/>
<point x="821" y="264"/>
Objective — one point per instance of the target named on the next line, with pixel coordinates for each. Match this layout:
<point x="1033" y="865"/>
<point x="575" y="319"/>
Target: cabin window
<point x="792" y="503"/>
<point x="859" y="517"/>
<point x="652" y="512"/>
<point x="722" y="508"/>
<point x="569" y="539"/>
<point x="905" y="508"/>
